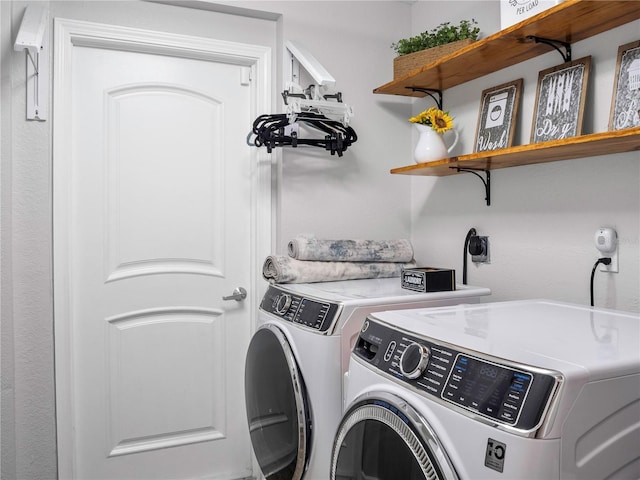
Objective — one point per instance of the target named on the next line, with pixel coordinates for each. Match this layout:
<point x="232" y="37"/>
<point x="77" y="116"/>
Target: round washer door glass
<point x="380" y="439"/>
<point x="277" y="411"/>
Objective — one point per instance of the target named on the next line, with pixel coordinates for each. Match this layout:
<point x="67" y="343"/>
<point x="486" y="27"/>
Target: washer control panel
<point x="475" y="382"/>
<point x="294" y="308"/>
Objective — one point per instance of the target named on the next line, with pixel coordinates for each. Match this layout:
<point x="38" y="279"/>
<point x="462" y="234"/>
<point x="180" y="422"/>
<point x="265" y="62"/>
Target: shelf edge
<point x="620" y="141"/>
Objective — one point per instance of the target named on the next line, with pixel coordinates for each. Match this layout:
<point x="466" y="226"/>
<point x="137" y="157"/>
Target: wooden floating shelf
<point x="592" y="145"/>
<point x="570" y="21"/>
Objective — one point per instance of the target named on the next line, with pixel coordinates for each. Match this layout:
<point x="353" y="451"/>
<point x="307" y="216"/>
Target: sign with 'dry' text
<point x="560" y="99"/>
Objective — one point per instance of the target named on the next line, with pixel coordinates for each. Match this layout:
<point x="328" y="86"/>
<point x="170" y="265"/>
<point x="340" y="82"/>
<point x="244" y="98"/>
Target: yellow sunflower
<point x="441" y="121"/>
<point x="437" y="119"/>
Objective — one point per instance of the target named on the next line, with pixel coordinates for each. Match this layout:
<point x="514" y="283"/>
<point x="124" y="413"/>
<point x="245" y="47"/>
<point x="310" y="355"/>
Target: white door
<point x="152" y="227"/>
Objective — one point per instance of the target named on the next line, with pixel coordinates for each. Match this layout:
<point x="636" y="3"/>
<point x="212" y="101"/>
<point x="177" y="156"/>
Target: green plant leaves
<point x="441" y="35"/>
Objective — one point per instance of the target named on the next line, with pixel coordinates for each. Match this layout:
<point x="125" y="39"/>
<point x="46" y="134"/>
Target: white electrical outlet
<point x="606" y="240"/>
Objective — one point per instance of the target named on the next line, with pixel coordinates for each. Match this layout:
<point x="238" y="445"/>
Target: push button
<point x="389" y="352"/>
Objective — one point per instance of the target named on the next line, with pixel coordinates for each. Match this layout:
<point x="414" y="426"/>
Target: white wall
<point x="1" y="241"/>
<point x="353" y="196"/>
<point x="350" y="196"/>
<point x="542" y="218"/>
<point x="28" y="409"/>
<point x="541" y="221"/>
<point x="7" y="423"/>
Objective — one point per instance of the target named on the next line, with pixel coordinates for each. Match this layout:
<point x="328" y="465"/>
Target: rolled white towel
<point x="284" y="269"/>
<point x="308" y="247"/>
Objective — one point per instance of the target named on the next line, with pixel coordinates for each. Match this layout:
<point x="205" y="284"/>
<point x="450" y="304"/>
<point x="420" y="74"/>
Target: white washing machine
<point x="296" y="361"/>
<point x="511" y="390"/>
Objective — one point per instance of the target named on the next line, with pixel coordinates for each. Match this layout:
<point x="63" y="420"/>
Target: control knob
<point x="283" y="302"/>
<point x="414" y="360"/>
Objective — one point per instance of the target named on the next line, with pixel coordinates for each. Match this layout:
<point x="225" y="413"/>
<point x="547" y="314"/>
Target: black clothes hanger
<point x="270" y="131"/>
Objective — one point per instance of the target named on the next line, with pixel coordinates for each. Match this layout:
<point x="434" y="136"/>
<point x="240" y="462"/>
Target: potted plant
<point x="414" y="52"/>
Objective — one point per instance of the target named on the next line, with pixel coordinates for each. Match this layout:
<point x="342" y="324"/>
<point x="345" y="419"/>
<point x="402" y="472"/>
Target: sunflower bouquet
<point x="434" y="117"/>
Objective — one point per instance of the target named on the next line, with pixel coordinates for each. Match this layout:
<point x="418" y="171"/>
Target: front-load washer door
<point x="383" y="437"/>
<point x="277" y="406"/>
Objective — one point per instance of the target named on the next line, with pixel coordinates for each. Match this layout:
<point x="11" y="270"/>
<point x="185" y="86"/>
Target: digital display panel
<point x="312" y="313"/>
<point x="492" y="390"/>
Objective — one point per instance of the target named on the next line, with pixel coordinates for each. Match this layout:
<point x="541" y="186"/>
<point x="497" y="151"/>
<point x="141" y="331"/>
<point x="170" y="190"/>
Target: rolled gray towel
<point x="308" y="247"/>
<point x="284" y="269"/>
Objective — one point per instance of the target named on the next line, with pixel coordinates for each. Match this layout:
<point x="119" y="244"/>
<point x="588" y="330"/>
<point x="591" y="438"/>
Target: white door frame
<point x="72" y="33"/>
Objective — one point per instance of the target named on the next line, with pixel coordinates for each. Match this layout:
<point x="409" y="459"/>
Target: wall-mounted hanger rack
<point x="312" y="107"/>
<point x="316" y="98"/>
<point x="296" y="103"/>
<point x="34" y="39"/>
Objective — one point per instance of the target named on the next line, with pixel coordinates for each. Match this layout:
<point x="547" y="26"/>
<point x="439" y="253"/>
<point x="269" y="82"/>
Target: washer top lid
<point x="376" y="290"/>
<point x="573" y="339"/>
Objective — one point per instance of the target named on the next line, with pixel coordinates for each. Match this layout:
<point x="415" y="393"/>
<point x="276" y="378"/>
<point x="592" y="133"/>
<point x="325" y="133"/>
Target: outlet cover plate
<point x="484" y="256"/>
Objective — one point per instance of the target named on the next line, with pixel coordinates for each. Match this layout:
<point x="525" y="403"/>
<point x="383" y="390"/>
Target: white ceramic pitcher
<point x="431" y="144"/>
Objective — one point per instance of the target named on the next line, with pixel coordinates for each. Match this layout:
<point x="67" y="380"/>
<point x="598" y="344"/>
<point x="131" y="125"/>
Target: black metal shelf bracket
<point x="566" y="55"/>
<point x="486" y="181"/>
<point x="430" y="92"/>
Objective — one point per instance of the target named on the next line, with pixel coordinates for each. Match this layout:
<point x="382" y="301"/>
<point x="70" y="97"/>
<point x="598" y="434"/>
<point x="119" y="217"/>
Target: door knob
<point x="238" y="295"/>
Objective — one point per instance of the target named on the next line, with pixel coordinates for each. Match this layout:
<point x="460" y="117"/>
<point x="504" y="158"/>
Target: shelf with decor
<point x="569" y="22"/>
<point x="592" y="145"/>
<point x="565" y="23"/>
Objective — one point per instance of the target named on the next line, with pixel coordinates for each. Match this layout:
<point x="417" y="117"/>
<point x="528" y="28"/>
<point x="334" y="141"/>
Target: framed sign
<point x="560" y="99"/>
<point x="497" y="116"/>
<point x="625" y="104"/>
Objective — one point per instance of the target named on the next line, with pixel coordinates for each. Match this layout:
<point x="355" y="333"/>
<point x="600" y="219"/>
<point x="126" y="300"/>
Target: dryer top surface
<point x="376" y="291"/>
<point x="572" y="339"/>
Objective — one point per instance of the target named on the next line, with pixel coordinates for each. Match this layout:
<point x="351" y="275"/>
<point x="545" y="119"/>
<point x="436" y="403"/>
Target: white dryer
<point x="510" y="390"/>
<point x="296" y="361"/>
